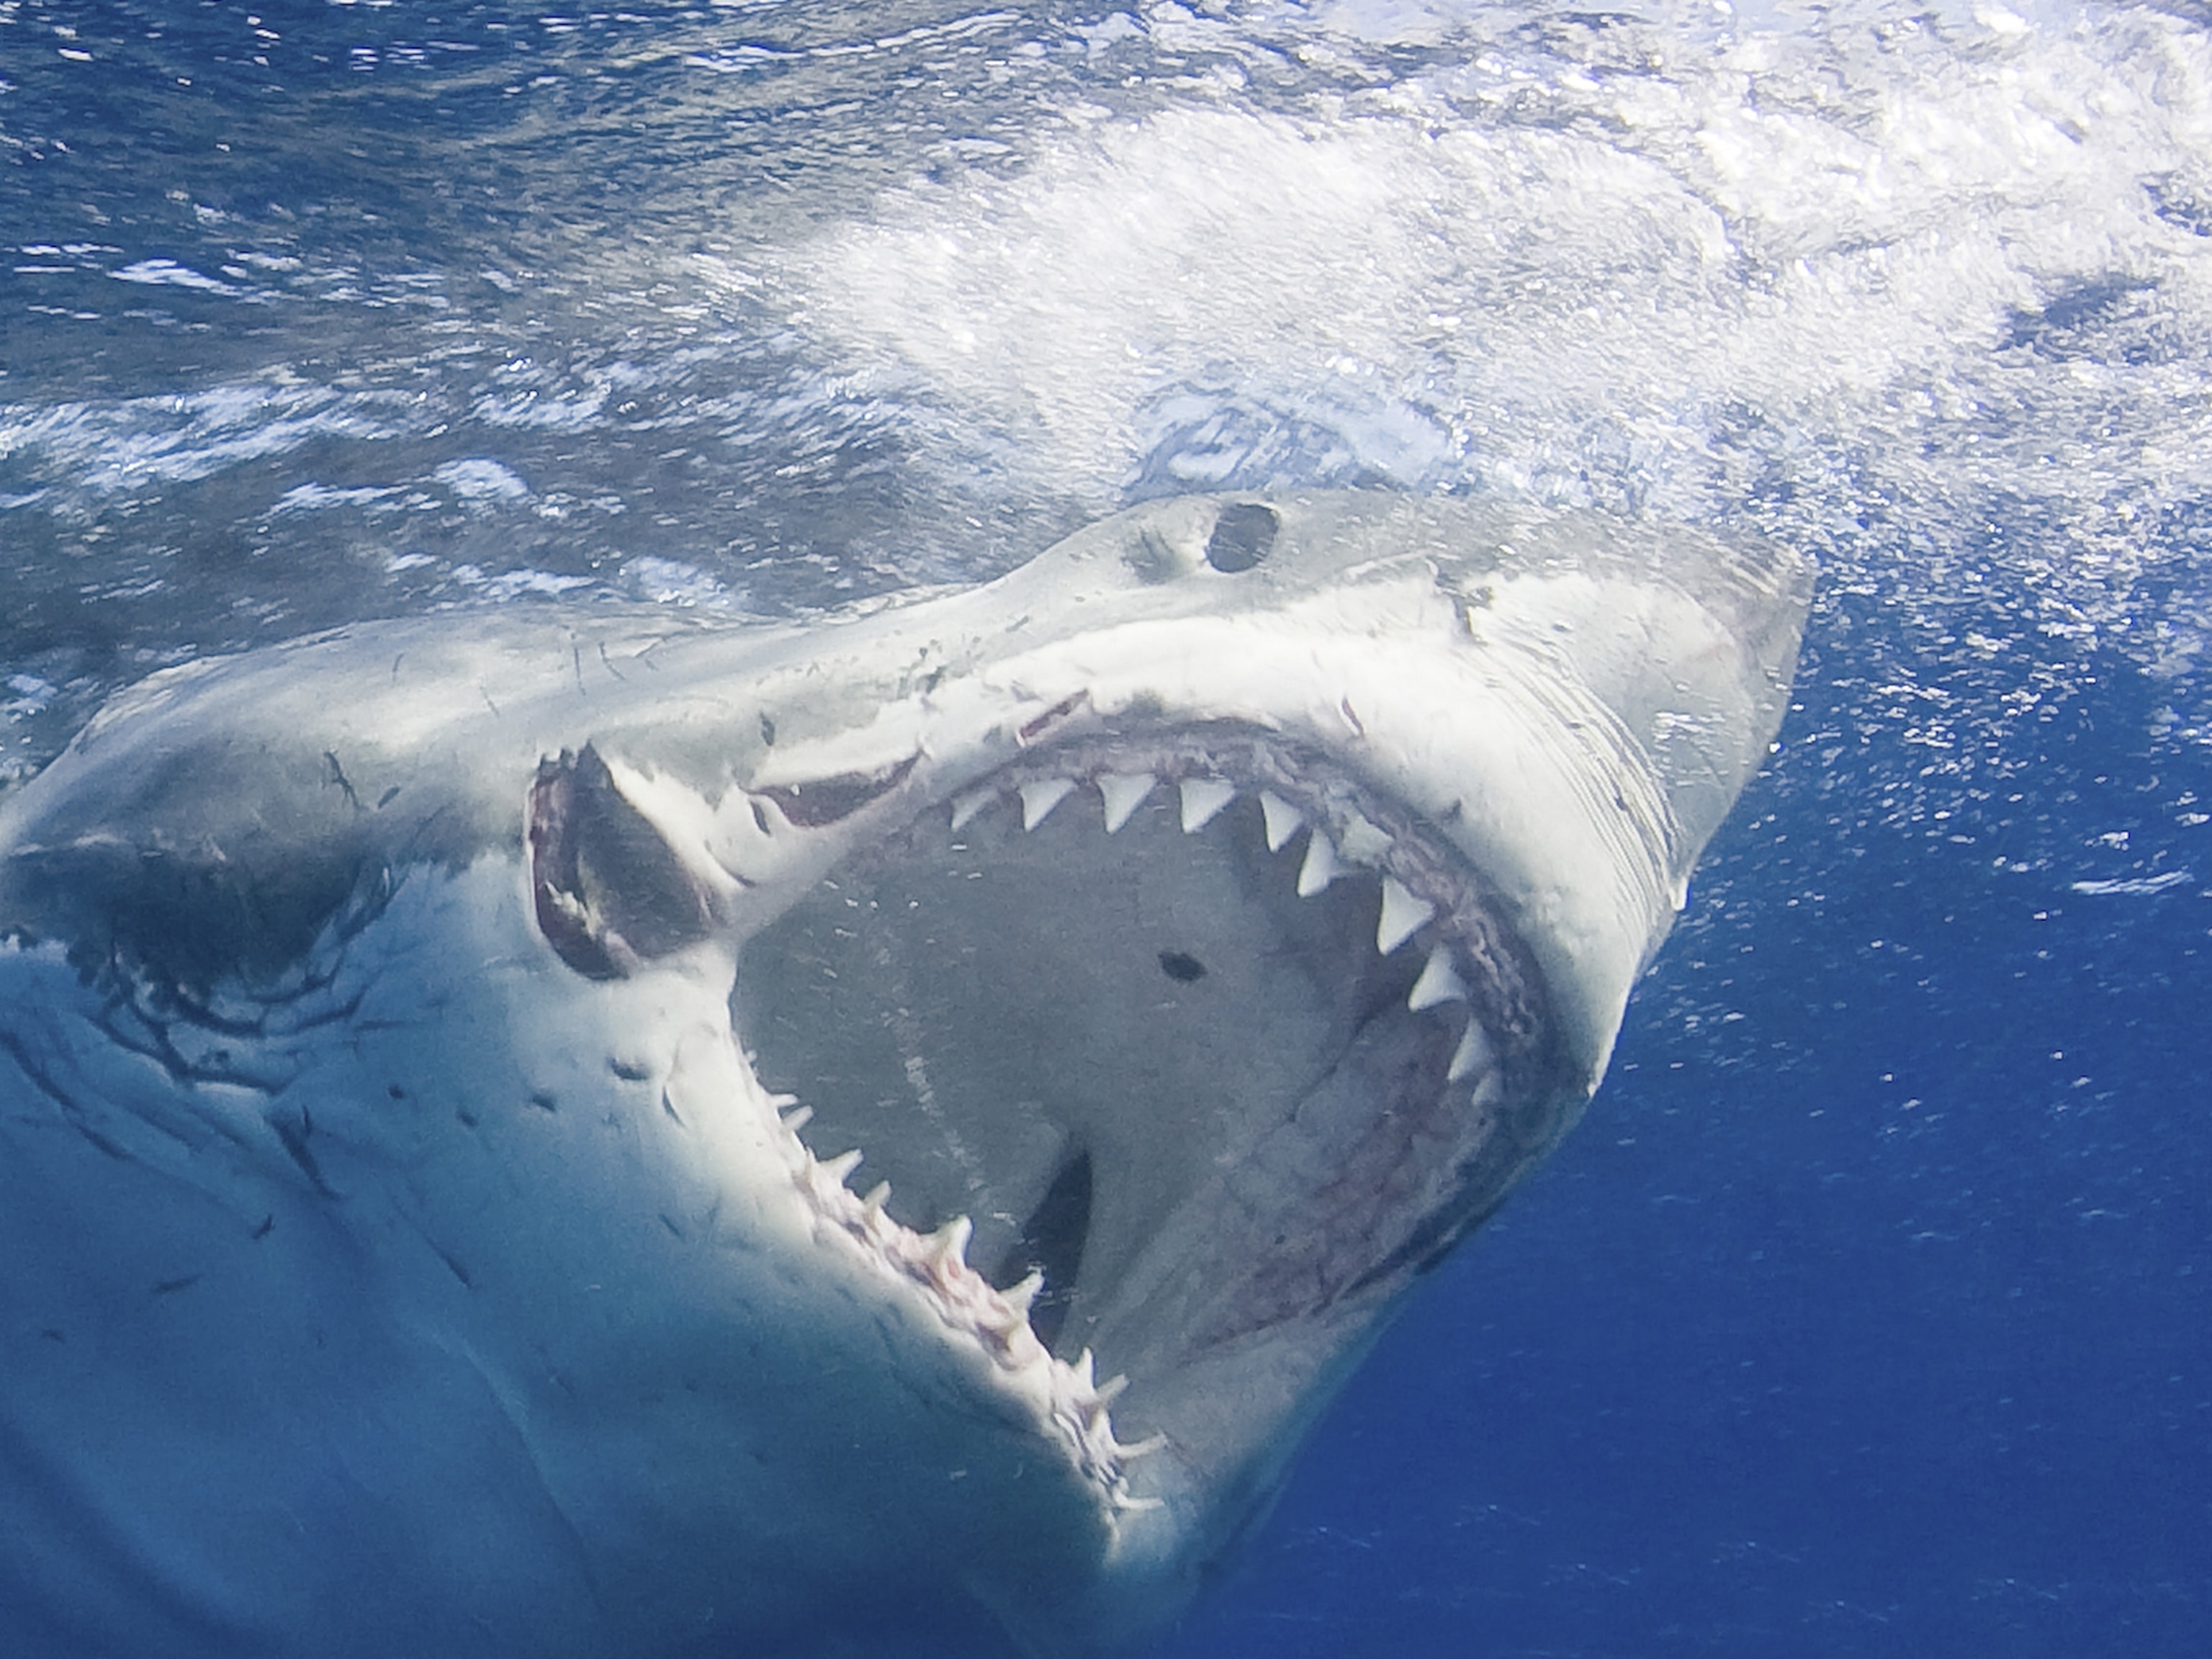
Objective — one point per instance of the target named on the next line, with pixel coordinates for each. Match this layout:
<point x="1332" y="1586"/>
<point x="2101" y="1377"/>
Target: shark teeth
<point x="1202" y="801"/>
<point x="1066" y="1398"/>
<point x="1123" y="793"/>
<point x="1038" y="799"/>
<point x="1439" y="983"/>
<point x="1474" y="1053"/>
<point x="1341" y="843"/>
<point x="1320" y="867"/>
<point x="964" y="807"/>
<point x="1401" y="918"/>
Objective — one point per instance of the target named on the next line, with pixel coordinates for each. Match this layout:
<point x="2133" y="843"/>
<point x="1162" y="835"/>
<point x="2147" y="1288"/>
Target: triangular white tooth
<point x="1083" y="1368"/>
<point x="1282" y="819"/>
<point x="1202" y="799"/>
<point x="1486" y="1093"/>
<point x="879" y="1196"/>
<point x="1128" y="1506"/>
<point x="1320" y="867"/>
<point x="1361" y="842"/>
<point x="1021" y="1295"/>
<point x="1401" y="914"/>
<point x="798" y="1119"/>
<point x="1439" y="983"/>
<point x="948" y="1245"/>
<point x="840" y="1168"/>
<point x="1473" y="1053"/>
<point x="1038" y="799"/>
<point x="1123" y="793"/>
<point x="1112" y="1389"/>
<point x="1145" y="1448"/>
<point x="965" y="807"/>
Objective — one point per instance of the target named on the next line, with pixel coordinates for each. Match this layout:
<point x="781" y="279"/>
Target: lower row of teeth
<point x="1068" y="1395"/>
<point x="1075" y="1402"/>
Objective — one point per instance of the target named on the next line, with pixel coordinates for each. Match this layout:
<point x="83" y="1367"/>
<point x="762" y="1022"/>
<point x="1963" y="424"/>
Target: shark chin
<point x="599" y="1131"/>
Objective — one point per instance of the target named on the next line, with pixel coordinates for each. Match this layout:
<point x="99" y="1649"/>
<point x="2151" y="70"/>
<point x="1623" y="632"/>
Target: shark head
<point x="917" y="1109"/>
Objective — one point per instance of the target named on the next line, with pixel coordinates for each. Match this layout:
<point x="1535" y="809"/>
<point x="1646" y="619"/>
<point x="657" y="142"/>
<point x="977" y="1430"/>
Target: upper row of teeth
<point x="1404" y="913"/>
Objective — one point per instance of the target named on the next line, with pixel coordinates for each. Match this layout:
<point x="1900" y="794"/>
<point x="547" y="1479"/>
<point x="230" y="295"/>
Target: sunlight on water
<point x="808" y="302"/>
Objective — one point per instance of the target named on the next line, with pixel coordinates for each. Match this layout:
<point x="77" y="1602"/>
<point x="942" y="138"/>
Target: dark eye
<point x="1241" y="535"/>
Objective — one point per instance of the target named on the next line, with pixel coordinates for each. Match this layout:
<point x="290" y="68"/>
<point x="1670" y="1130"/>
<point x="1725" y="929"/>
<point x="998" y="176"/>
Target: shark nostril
<point x="1181" y="966"/>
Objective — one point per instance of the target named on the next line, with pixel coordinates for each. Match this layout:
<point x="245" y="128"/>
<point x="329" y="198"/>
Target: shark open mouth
<point x="1149" y="1046"/>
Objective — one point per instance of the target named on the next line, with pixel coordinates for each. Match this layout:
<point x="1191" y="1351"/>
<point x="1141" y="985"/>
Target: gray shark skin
<point x="433" y="1058"/>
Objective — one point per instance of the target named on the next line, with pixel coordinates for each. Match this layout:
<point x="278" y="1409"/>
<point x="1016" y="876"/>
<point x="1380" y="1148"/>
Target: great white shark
<point x="435" y="1055"/>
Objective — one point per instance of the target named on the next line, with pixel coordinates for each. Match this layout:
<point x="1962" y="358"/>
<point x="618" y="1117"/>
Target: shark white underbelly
<point x="433" y="1059"/>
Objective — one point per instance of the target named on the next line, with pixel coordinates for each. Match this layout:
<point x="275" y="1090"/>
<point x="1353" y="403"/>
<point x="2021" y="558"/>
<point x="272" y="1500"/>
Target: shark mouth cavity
<point x="1151" y="1049"/>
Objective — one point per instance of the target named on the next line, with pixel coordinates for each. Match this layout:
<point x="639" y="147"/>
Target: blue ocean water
<point x="1867" y="1312"/>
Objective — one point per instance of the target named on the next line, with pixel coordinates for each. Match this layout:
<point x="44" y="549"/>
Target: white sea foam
<point x="1879" y="238"/>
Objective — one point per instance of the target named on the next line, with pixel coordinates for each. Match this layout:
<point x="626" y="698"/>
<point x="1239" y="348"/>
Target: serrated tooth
<point x="1038" y="799"/>
<point x="1486" y="1093"/>
<point x="1402" y="914"/>
<point x="1113" y="1388"/>
<point x="965" y="807"/>
<point x="879" y="1196"/>
<point x="1130" y="1505"/>
<point x="1320" y="867"/>
<point x="1282" y="819"/>
<point x="1439" y="983"/>
<point x="1022" y="1294"/>
<point x="1203" y="800"/>
<point x="948" y="1245"/>
<point x="1083" y="1368"/>
<point x="1123" y="793"/>
<point x="798" y="1119"/>
<point x="840" y="1168"/>
<point x="1145" y="1448"/>
<point x="1474" y="1053"/>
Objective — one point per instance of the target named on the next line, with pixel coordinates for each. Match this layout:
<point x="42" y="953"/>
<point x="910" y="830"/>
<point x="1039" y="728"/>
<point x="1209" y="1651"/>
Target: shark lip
<point x="1152" y="1047"/>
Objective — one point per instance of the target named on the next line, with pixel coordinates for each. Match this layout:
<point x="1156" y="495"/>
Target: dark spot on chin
<point x="1182" y="968"/>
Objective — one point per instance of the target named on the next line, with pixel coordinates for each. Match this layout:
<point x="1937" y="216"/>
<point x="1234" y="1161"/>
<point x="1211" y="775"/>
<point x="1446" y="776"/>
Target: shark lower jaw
<point x="1183" y="1051"/>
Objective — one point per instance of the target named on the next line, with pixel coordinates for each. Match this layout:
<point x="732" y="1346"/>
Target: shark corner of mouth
<point x="1192" y="935"/>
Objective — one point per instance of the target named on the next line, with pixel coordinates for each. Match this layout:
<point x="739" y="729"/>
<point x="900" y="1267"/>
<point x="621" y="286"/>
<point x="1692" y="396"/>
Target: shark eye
<point x="1242" y="537"/>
